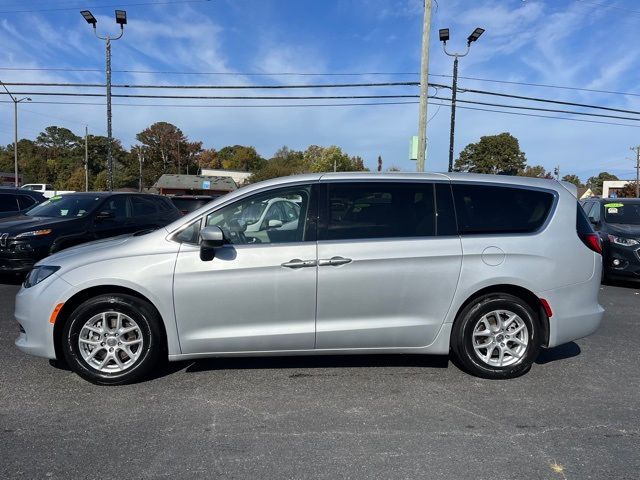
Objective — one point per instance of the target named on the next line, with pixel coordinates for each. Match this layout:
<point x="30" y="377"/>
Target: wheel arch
<point x="517" y="291"/>
<point x="80" y="297"/>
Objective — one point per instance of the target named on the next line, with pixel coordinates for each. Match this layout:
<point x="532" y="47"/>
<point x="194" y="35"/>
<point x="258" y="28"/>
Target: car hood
<point x="24" y="223"/>
<point x="123" y="246"/>
<point x="623" y="229"/>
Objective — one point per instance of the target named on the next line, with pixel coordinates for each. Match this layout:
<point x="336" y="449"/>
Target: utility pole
<point x="15" y="101"/>
<point x="424" y="86"/>
<point x="556" y="172"/>
<point x="444" y="37"/>
<point x="121" y="19"/>
<point x="141" y="161"/>
<point x="637" y="150"/>
<point x="86" y="158"/>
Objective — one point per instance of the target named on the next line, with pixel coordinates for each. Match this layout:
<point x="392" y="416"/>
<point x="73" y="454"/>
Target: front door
<point x="259" y="291"/>
<point x="388" y="268"/>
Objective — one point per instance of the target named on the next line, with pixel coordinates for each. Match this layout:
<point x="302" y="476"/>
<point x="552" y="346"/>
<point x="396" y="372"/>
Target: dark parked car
<point x="189" y="203"/>
<point x="16" y="201"/>
<point x="71" y="219"/>
<point x="617" y="221"/>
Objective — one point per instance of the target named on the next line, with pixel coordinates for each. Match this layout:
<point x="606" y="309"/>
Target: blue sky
<point x="576" y="43"/>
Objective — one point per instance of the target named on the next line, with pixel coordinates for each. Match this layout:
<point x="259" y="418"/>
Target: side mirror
<point x="274" y="224"/>
<point x="105" y="215"/>
<point x="210" y="238"/>
<point x="593" y="221"/>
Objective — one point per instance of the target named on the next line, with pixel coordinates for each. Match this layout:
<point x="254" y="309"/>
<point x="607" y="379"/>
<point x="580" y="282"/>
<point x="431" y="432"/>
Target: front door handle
<point x="297" y="263"/>
<point x="334" y="261"/>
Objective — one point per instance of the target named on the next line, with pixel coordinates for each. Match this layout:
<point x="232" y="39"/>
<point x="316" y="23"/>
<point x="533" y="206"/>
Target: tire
<point x="123" y="352"/>
<point x="480" y="322"/>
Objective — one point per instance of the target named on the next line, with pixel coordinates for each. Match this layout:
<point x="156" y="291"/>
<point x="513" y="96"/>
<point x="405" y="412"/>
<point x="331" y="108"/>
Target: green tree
<point x="537" y="171"/>
<point x="497" y="154"/>
<point x="283" y="163"/>
<point x="240" y="157"/>
<point x="572" y="179"/>
<point x="328" y="159"/>
<point x="166" y="149"/>
<point x="595" y="183"/>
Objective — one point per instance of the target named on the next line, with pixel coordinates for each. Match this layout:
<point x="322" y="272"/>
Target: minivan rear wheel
<point x="496" y="336"/>
<point x="112" y="339"/>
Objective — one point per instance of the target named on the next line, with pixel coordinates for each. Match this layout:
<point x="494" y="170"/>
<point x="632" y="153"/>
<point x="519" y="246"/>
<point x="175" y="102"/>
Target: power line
<point x="221" y="87"/>
<point x="545" y="116"/>
<point x="210" y="97"/>
<point x="112" y="5"/>
<point x="547" y="100"/>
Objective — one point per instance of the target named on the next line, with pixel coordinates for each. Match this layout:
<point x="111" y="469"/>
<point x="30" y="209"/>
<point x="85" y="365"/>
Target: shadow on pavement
<point x="11" y="278"/>
<point x="297" y="362"/>
<point x="621" y="282"/>
<point x="561" y="352"/>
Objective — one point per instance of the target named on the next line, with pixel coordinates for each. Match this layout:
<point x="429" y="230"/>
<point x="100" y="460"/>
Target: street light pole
<point x="121" y="19"/>
<point x="15" y="101"/>
<point x="444" y="37"/>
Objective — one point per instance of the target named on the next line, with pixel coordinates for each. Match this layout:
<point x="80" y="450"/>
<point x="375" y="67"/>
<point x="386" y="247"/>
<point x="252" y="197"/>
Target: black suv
<point x="74" y="218"/>
<point x="617" y="221"/>
<point x="16" y="201"/>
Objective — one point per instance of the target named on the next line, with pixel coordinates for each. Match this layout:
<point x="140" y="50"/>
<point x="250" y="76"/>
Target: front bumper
<point x="622" y="261"/>
<point x="19" y="257"/>
<point x="33" y="311"/>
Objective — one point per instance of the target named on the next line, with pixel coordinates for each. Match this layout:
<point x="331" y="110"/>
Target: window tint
<point x="247" y="221"/>
<point x="116" y="205"/>
<point x="582" y="223"/>
<point x="142" y="207"/>
<point x="497" y="209"/>
<point x="624" y="213"/>
<point x="380" y="210"/>
<point x="65" y="206"/>
<point x="26" y="202"/>
<point x="8" y="203"/>
<point x="594" y="212"/>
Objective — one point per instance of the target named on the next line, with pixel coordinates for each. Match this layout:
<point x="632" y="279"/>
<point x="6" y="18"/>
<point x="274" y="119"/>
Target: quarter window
<point x="496" y="209"/>
<point x="380" y="210"/>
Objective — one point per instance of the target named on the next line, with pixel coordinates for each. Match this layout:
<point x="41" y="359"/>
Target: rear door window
<point x="142" y="207"/>
<point x="491" y="209"/>
<point x="369" y="210"/>
<point x="8" y="203"/>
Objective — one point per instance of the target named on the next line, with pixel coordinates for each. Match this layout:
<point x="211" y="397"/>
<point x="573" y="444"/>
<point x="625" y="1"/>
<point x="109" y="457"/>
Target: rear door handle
<point x="334" y="261"/>
<point x="297" y="263"/>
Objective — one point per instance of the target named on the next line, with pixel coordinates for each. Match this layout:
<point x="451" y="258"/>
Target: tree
<point x="595" y="183"/>
<point x="628" y="191"/>
<point x="498" y="154"/>
<point x="537" y="171"/>
<point x="240" y="157"/>
<point x="572" y="179"/>
<point x="208" y="158"/>
<point x="165" y="144"/>
<point x="328" y="159"/>
<point x="283" y="163"/>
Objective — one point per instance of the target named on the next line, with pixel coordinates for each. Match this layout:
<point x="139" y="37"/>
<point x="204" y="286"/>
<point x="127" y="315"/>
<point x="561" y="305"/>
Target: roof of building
<point x="196" y="182"/>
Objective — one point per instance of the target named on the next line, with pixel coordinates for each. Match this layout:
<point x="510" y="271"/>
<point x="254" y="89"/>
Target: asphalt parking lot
<point x="575" y="415"/>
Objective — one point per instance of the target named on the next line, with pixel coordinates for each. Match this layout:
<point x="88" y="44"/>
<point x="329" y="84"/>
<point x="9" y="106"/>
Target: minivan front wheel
<point x="112" y="339"/>
<point x="496" y="336"/>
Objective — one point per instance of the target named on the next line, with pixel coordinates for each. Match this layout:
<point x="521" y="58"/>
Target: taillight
<point x="592" y="240"/>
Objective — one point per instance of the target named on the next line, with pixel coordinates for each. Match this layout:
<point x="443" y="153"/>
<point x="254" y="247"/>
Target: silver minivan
<point x="487" y="268"/>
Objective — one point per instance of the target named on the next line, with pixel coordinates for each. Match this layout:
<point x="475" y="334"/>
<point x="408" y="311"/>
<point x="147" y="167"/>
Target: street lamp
<point x="121" y="19"/>
<point x="444" y="38"/>
<point x="16" y="101"/>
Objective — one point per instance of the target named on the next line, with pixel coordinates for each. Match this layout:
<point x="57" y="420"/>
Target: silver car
<point x="489" y="268"/>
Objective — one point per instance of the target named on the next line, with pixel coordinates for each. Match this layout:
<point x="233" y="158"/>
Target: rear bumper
<point x="576" y="311"/>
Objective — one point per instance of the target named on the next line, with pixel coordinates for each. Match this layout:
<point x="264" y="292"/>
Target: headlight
<point x="625" y="242"/>
<point x="34" y="233"/>
<point x="38" y="274"/>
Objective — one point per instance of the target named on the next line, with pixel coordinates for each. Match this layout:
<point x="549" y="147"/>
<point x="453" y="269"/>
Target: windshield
<point x="623" y="213"/>
<point x="65" y="206"/>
